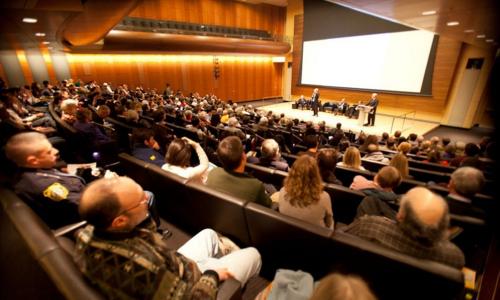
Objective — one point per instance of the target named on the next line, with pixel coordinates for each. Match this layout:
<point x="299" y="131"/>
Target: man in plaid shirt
<point x="420" y="228"/>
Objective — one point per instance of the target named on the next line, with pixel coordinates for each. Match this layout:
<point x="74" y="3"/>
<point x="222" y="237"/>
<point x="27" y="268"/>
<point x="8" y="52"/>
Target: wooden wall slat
<point x="242" y="78"/>
<point x="215" y="12"/>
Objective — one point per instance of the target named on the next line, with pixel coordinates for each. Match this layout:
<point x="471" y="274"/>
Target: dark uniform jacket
<point x="52" y="194"/>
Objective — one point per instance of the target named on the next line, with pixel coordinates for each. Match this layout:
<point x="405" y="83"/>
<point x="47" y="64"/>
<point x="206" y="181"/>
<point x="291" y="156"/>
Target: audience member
<point x="145" y="146"/>
<point x="400" y="162"/>
<point x="270" y="156"/>
<point x="302" y="195"/>
<point x="420" y="229"/>
<point x="379" y="192"/>
<point x="342" y="287"/>
<point x="120" y="241"/>
<point x="52" y="194"/>
<point x="327" y="161"/>
<point x="465" y="183"/>
<point x="373" y="153"/>
<point x="311" y="142"/>
<point x="231" y="178"/>
<point x="351" y="159"/>
<point x="178" y="160"/>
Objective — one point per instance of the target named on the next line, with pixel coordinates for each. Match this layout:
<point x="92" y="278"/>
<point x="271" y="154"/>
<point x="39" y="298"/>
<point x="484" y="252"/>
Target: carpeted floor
<point x="474" y="135"/>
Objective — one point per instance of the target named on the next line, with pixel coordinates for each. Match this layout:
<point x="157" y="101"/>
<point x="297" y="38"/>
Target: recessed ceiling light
<point x="428" y="12"/>
<point x="489" y="40"/>
<point x="40" y="34"/>
<point x="480" y="36"/>
<point x="469" y="30"/>
<point x="30" y="20"/>
<point x="453" y="23"/>
<point x="45" y="43"/>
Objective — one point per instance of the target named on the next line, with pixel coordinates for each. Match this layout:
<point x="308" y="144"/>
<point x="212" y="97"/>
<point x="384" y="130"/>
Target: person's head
<point x="270" y="150"/>
<point x="143" y="136"/>
<point x="230" y="153"/>
<point x="352" y="157"/>
<point x="132" y="115"/>
<point x="397" y="134"/>
<point x="423" y="216"/>
<point x="316" y="90"/>
<point x="388" y="177"/>
<point x="445" y="141"/>
<point x="404" y="148"/>
<point x="179" y="153"/>
<point x="311" y="141"/>
<point x="303" y="184"/>
<point x="372" y="148"/>
<point x="103" y="111"/>
<point x="115" y="205"/>
<point x="374" y="95"/>
<point x="339" y="125"/>
<point x="412" y="137"/>
<point x="327" y="160"/>
<point x="232" y="122"/>
<point x="434" y="156"/>
<point x="342" y="287"/>
<point x="84" y="115"/>
<point x="385" y="136"/>
<point x="31" y="150"/>
<point x="466" y="181"/>
<point x="69" y="107"/>
<point x="400" y="162"/>
<point x="472" y="149"/>
<point x="263" y="121"/>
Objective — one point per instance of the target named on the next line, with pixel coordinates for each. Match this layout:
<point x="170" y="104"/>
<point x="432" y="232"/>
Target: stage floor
<point x="383" y="122"/>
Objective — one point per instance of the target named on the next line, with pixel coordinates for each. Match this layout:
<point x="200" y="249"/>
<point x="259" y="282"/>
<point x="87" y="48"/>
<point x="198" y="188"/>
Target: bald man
<point x="420" y="228"/>
<point x="121" y="240"/>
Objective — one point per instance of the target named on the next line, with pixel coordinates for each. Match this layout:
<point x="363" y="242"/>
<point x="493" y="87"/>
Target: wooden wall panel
<point x="447" y="56"/>
<point x="215" y="12"/>
<point x="242" y="77"/>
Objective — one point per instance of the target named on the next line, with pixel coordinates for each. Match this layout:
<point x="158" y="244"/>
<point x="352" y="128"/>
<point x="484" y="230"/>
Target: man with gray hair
<point x="270" y="156"/>
<point x="232" y="128"/>
<point x="420" y="229"/>
<point x="464" y="183"/>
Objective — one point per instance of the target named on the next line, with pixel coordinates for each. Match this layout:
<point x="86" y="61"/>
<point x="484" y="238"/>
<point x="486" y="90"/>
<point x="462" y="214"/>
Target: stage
<point x="407" y="123"/>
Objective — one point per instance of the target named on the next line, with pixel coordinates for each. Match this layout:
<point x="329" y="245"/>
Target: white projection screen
<point x="394" y="61"/>
<point x="350" y="49"/>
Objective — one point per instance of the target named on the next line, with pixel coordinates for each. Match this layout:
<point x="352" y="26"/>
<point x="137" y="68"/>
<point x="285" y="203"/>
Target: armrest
<point x="230" y="289"/>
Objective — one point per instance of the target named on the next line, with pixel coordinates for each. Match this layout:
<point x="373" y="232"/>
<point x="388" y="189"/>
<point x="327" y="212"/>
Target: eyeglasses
<point x="145" y="200"/>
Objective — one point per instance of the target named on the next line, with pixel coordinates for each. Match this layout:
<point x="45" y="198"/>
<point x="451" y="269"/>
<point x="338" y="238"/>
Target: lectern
<point x="363" y="111"/>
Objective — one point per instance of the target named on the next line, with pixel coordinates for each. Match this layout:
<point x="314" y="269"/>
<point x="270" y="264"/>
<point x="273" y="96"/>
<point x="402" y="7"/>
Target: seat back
<point x="344" y="202"/>
<point x="286" y="242"/>
<point x="33" y="263"/>
<point x="267" y="175"/>
<point x="391" y="274"/>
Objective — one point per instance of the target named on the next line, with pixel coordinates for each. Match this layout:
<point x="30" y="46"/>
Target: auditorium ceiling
<point x="477" y="20"/>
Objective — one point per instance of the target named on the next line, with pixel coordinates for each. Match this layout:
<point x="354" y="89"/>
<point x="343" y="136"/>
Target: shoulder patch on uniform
<point x="152" y="157"/>
<point x="56" y="192"/>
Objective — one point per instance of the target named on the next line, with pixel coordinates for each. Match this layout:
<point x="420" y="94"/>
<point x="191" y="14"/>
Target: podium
<point x="363" y="111"/>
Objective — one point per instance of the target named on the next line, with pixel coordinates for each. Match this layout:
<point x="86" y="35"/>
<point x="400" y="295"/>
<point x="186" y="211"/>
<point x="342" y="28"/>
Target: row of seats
<point x="286" y="242"/>
<point x="142" y="24"/>
<point x="37" y="263"/>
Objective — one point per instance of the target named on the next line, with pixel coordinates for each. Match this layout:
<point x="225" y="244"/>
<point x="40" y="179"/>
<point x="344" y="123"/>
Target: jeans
<point x="203" y="248"/>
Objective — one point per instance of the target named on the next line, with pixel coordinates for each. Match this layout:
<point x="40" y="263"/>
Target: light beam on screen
<point x="393" y="61"/>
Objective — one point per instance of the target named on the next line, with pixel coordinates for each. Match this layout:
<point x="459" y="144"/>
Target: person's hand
<point x="189" y="141"/>
<point x="40" y="114"/>
<point x="224" y="274"/>
<point x="44" y="129"/>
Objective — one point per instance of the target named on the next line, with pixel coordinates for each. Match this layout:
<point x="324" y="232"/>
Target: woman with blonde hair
<point x="400" y="162"/>
<point x="302" y="195"/>
<point x="351" y="159"/>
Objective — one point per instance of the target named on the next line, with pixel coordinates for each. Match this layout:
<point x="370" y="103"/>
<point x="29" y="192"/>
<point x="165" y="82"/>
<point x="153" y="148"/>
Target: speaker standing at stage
<point x="315" y="102"/>
<point x="371" y="115"/>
